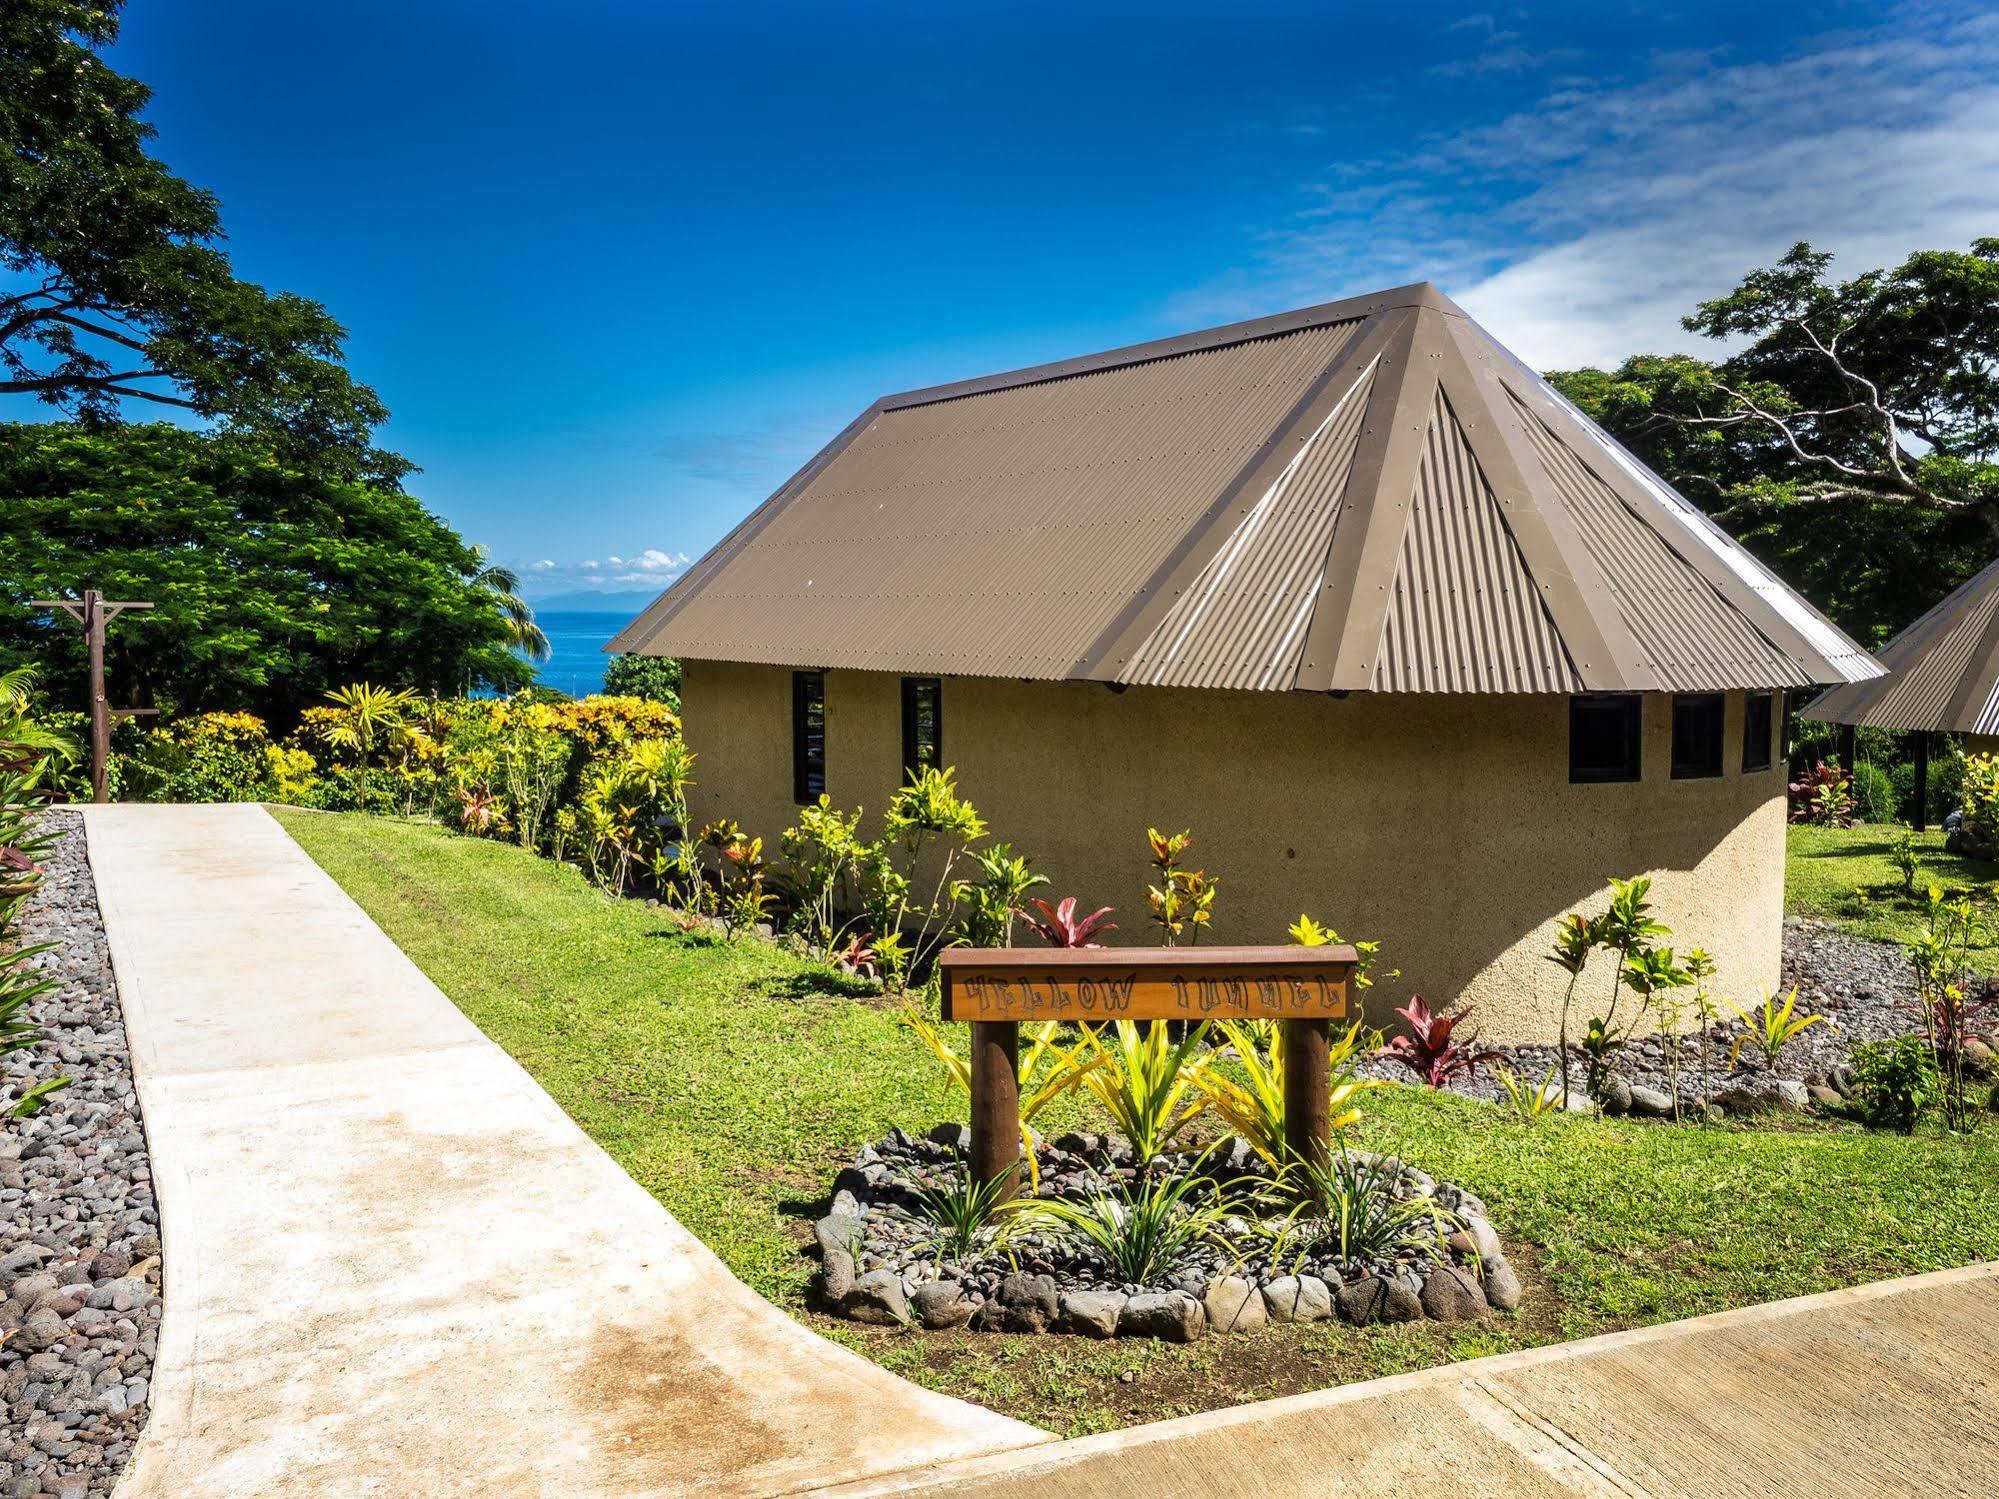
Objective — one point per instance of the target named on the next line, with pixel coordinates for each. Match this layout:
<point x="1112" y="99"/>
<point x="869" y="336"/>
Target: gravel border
<point x="79" y="1231"/>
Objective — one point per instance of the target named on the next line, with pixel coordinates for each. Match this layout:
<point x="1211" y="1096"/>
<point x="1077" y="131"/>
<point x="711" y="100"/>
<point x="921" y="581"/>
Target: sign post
<point x="994" y="989"/>
<point x="94" y="612"/>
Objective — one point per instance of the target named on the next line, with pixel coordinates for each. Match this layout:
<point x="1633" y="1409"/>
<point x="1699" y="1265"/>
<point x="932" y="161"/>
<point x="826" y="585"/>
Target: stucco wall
<point x="1444" y="827"/>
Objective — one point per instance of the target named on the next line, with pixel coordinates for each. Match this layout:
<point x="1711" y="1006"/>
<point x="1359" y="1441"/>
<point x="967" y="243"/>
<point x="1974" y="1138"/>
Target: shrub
<point x="1894" y="1081"/>
<point x="1142" y="1232"/>
<point x="1431" y="1050"/>
<point x="1978" y="795"/>
<point x="1945" y="786"/>
<point x="656" y="678"/>
<point x="1873" y="793"/>
<point x="1822" y="796"/>
<point x="211" y="757"/>
<point x="1254" y="1106"/>
<point x="1354" y="1213"/>
<point x="1146" y="1081"/>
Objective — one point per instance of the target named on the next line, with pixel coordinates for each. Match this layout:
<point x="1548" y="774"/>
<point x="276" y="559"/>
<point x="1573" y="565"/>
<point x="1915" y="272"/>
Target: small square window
<point x="1759" y="723"/>
<point x="1697" y="735"/>
<point x="1604" y="735"/>
<point x="922" y="725"/>
<point x="808" y="736"/>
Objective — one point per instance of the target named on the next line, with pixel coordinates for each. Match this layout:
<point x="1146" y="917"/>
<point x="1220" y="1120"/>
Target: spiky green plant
<point x="1350" y="1209"/>
<point x="1142" y="1231"/>
<point x="1146" y="1081"/>
<point x="967" y="1217"/>
<point x="1254" y="1105"/>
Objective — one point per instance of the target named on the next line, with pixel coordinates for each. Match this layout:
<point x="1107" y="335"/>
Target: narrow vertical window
<point x="1604" y="738"/>
<point x="922" y="725"/>
<point x="808" y="735"/>
<point x="1759" y="722"/>
<point x="1697" y="735"/>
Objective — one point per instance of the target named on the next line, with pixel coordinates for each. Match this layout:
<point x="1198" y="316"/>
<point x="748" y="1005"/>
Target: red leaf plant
<point x="1058" y="927"/>
<point x="1430" y="1051"/>
<point x="858" y="957"/>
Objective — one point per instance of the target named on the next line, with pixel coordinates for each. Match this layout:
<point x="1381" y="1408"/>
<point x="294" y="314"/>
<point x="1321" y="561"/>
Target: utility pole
<point x="94" y="612"/>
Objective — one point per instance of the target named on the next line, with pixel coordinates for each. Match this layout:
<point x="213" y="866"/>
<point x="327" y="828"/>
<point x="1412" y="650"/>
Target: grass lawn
<point x="732" y="1081"/>
<point x="1826" y="866"/>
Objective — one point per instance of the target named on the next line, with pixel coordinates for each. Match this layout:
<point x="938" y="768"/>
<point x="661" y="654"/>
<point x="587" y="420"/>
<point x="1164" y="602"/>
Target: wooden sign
<point x="995" y="989"/>
<point x="1093" y="985"/>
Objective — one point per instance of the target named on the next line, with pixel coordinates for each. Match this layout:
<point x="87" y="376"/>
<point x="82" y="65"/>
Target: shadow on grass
<point x="816" y="983"/>
<point x="688" y="937"/>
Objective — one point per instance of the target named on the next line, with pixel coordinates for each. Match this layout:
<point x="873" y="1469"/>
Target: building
<point x="1350" y="592"/>
<point x="1942" y="678"/>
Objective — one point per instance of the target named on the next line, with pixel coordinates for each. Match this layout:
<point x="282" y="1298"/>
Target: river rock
<point x="1172" y="1316"/>
<point x="877" y="1298"/>
<point x="1233" y="1304"/>
<point x="1452" y="1295"/>
<point x="1090" y="1314"/>
<point x="1028" y="1303"/>
<point x="1502" y="1285"/>
<point x="1298" y="1298"/>
<point x="1377" y="1298"/>
<point x="940" y="1304"/>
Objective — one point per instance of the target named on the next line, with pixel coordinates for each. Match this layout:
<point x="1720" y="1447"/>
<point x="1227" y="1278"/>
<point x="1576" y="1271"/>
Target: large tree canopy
<point x="116" y="289"/>
<point x="273" y="582"/>
<point x="1852" y="438"/>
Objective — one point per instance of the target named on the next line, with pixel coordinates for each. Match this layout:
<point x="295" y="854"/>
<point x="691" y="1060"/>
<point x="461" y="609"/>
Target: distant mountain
<point x="593" y="603"/>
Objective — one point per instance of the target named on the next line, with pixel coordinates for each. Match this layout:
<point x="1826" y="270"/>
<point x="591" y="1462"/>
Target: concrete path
<point x="1880" y="1390"/>
<point x="393" y="1265"/>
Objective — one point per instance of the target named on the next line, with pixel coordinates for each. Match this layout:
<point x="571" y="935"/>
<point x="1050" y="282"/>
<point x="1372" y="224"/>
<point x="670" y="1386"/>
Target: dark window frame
<point x="912" y="690"/>
<point x="1629" y="765"/>
<point x="1702" y="761"/>
<point x="808" y="768"/>
<point x="1754" y="744"/>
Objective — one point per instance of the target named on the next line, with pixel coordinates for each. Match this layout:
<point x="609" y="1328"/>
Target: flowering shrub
<point x="211" y="757"/>
<point x="1822" y="796"/>
<point x="1980" y="798"/>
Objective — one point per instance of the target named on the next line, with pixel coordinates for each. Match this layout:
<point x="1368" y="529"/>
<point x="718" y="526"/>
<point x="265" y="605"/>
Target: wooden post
<point x="1847" y="736"/>
<point x="996" y="1102"/>
<point x="1308" y="1088"/>
<point x="100" y="708"/>
<point x="1921" y="816"/>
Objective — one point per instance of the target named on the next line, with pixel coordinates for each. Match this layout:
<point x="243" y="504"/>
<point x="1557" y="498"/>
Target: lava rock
<point x="1091" y="1314"/>
<point x="837" y="1233"/>
<point x="942" y="1304"/>
<point x="1028" y="1303"/>
<point x="1377" y="1298"/>
<point x="1172" y="1316"/>
<point x="1452" y="1295"/>
<point x="1233" y="1304"/>
<point x="877" y="1298"/>
<point x="1825" y="1096"/>
<point x="1298" y="1298"/>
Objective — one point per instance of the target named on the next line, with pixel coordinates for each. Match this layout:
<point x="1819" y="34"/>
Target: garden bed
<point x="79" y="1231"/>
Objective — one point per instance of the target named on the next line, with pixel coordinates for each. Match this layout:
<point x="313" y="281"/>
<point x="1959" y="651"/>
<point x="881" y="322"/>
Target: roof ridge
<point x="1421" y="294"/>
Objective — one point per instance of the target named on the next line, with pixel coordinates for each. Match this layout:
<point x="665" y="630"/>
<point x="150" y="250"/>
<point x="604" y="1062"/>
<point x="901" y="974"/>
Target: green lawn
<point x="1827" y="865"/>
<point x="732" y="1081"/>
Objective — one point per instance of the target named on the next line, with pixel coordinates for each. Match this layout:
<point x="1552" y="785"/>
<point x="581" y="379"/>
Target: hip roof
<point x="1371" y="495"/>
<point x="1942" y="672"/>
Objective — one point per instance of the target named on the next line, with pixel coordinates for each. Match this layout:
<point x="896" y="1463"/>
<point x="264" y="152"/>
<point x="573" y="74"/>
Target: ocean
<point x="578" y="637"/>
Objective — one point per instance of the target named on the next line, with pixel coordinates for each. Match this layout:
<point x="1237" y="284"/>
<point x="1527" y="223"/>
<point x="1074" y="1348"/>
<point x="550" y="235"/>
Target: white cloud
<point x="1584" y="229"/>
<point x="649" y="568"/>
<point x="544" y="565"/>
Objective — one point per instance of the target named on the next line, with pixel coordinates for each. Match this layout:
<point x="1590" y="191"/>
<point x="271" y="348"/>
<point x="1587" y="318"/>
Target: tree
<point x="654" y="677"/>
<point x="116" y="288"/>
<point x="504" y="584"/>
<point x="274" y="582"/>
<point x="1853" y="439"/>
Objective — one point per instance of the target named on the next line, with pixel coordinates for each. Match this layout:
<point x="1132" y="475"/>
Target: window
<point x="1604" y="738"/>
<point x="1759" y="722"/>
<point x="922" y="725"/>
<point x="808" y="735"/>
<point x="1697" y="735"/>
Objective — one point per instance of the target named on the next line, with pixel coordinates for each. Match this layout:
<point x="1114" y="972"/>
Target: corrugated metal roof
<point x="1943" y="671"/>
<point x="1370" y="495"/>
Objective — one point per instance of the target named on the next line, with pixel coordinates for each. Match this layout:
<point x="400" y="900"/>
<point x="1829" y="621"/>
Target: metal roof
<point x="1369" y="495"/>
<point x="1943" y="671"/>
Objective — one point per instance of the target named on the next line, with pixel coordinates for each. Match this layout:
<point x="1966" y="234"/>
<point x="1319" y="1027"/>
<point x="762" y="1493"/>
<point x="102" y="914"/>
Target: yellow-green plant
<point x="1575" y="940"/>
<point x="928" y="811"/>
<point x="1254" y="1105"/>
<point x="1902" y="854"/>
<point x="1146" y="1081"/>
<point x="1183" y="900"/>
<point x="1700" y="968"/>
<point x="823" y="853"/>
<point x="368" y="715"/>
<point x="1979" y="797"/>
<point x="1306" y="932"/>
<point x="1940" y="952"/>
<point x="1771" y="1028"/>
<point x="1530" y="1101"/>
<point x="1656" y="977"/>
<point x="1044" y="1070"/>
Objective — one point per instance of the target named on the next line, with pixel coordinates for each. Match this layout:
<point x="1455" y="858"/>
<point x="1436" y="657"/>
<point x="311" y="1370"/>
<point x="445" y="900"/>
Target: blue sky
<point x="618" y="268"/>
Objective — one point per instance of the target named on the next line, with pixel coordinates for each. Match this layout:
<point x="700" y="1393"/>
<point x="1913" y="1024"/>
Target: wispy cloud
<point x="648" y="568"/>
<point x="1582" y="229"/>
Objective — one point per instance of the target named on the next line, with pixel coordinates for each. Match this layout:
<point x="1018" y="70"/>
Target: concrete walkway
<point x="393" y="1265"/>
<point x="1875" y="1391"/>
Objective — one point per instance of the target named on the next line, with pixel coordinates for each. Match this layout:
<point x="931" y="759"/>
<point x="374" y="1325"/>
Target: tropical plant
<point x="1254" y="1106"/>
<point x="1306" y="932"/>
<point x="480" y="812"/>
<point x="1142" y="1231"/>
<point x="523" y="634"/>
<point x="1529" y="1101"/>
<point x="857" y="958"/>
<point x="1182" y="902"/>
<point x="967" y="1217"/>
<point x="1575" y="939"/>
<point x="653" y="677"/>
<point x="1902" y="854"/>
<point x="1045" y="1070"/>
<point x="928" y="811"/>
<point x="1770" y="1028"/>
<point x="1059" y="926"/>
<point x="369" y="715"/>
<point x="1654" y="974"/>
<point x="1700" y="967"/>
<point x="1431" y="1049"/>
<point x="1940" y="953"/>
<point x="822" y="852"/>
<point x="1978" y="793"/>
<point x="993" y="899"/>
<point x="1894" y="1081"/>
<point x="1146" y="1081"/>
<point x="1823" y="796"/>
<point x="1353" y="1213"/>
<point x="1600" y="1046"/>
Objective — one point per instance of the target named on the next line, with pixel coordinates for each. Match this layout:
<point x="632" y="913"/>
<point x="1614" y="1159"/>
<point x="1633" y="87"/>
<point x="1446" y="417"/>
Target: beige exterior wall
<point x="1444" y="827"/>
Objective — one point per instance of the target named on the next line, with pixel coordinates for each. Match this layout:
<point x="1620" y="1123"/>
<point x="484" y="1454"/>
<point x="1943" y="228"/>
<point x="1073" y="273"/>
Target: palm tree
<point x="522" y="632"/>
